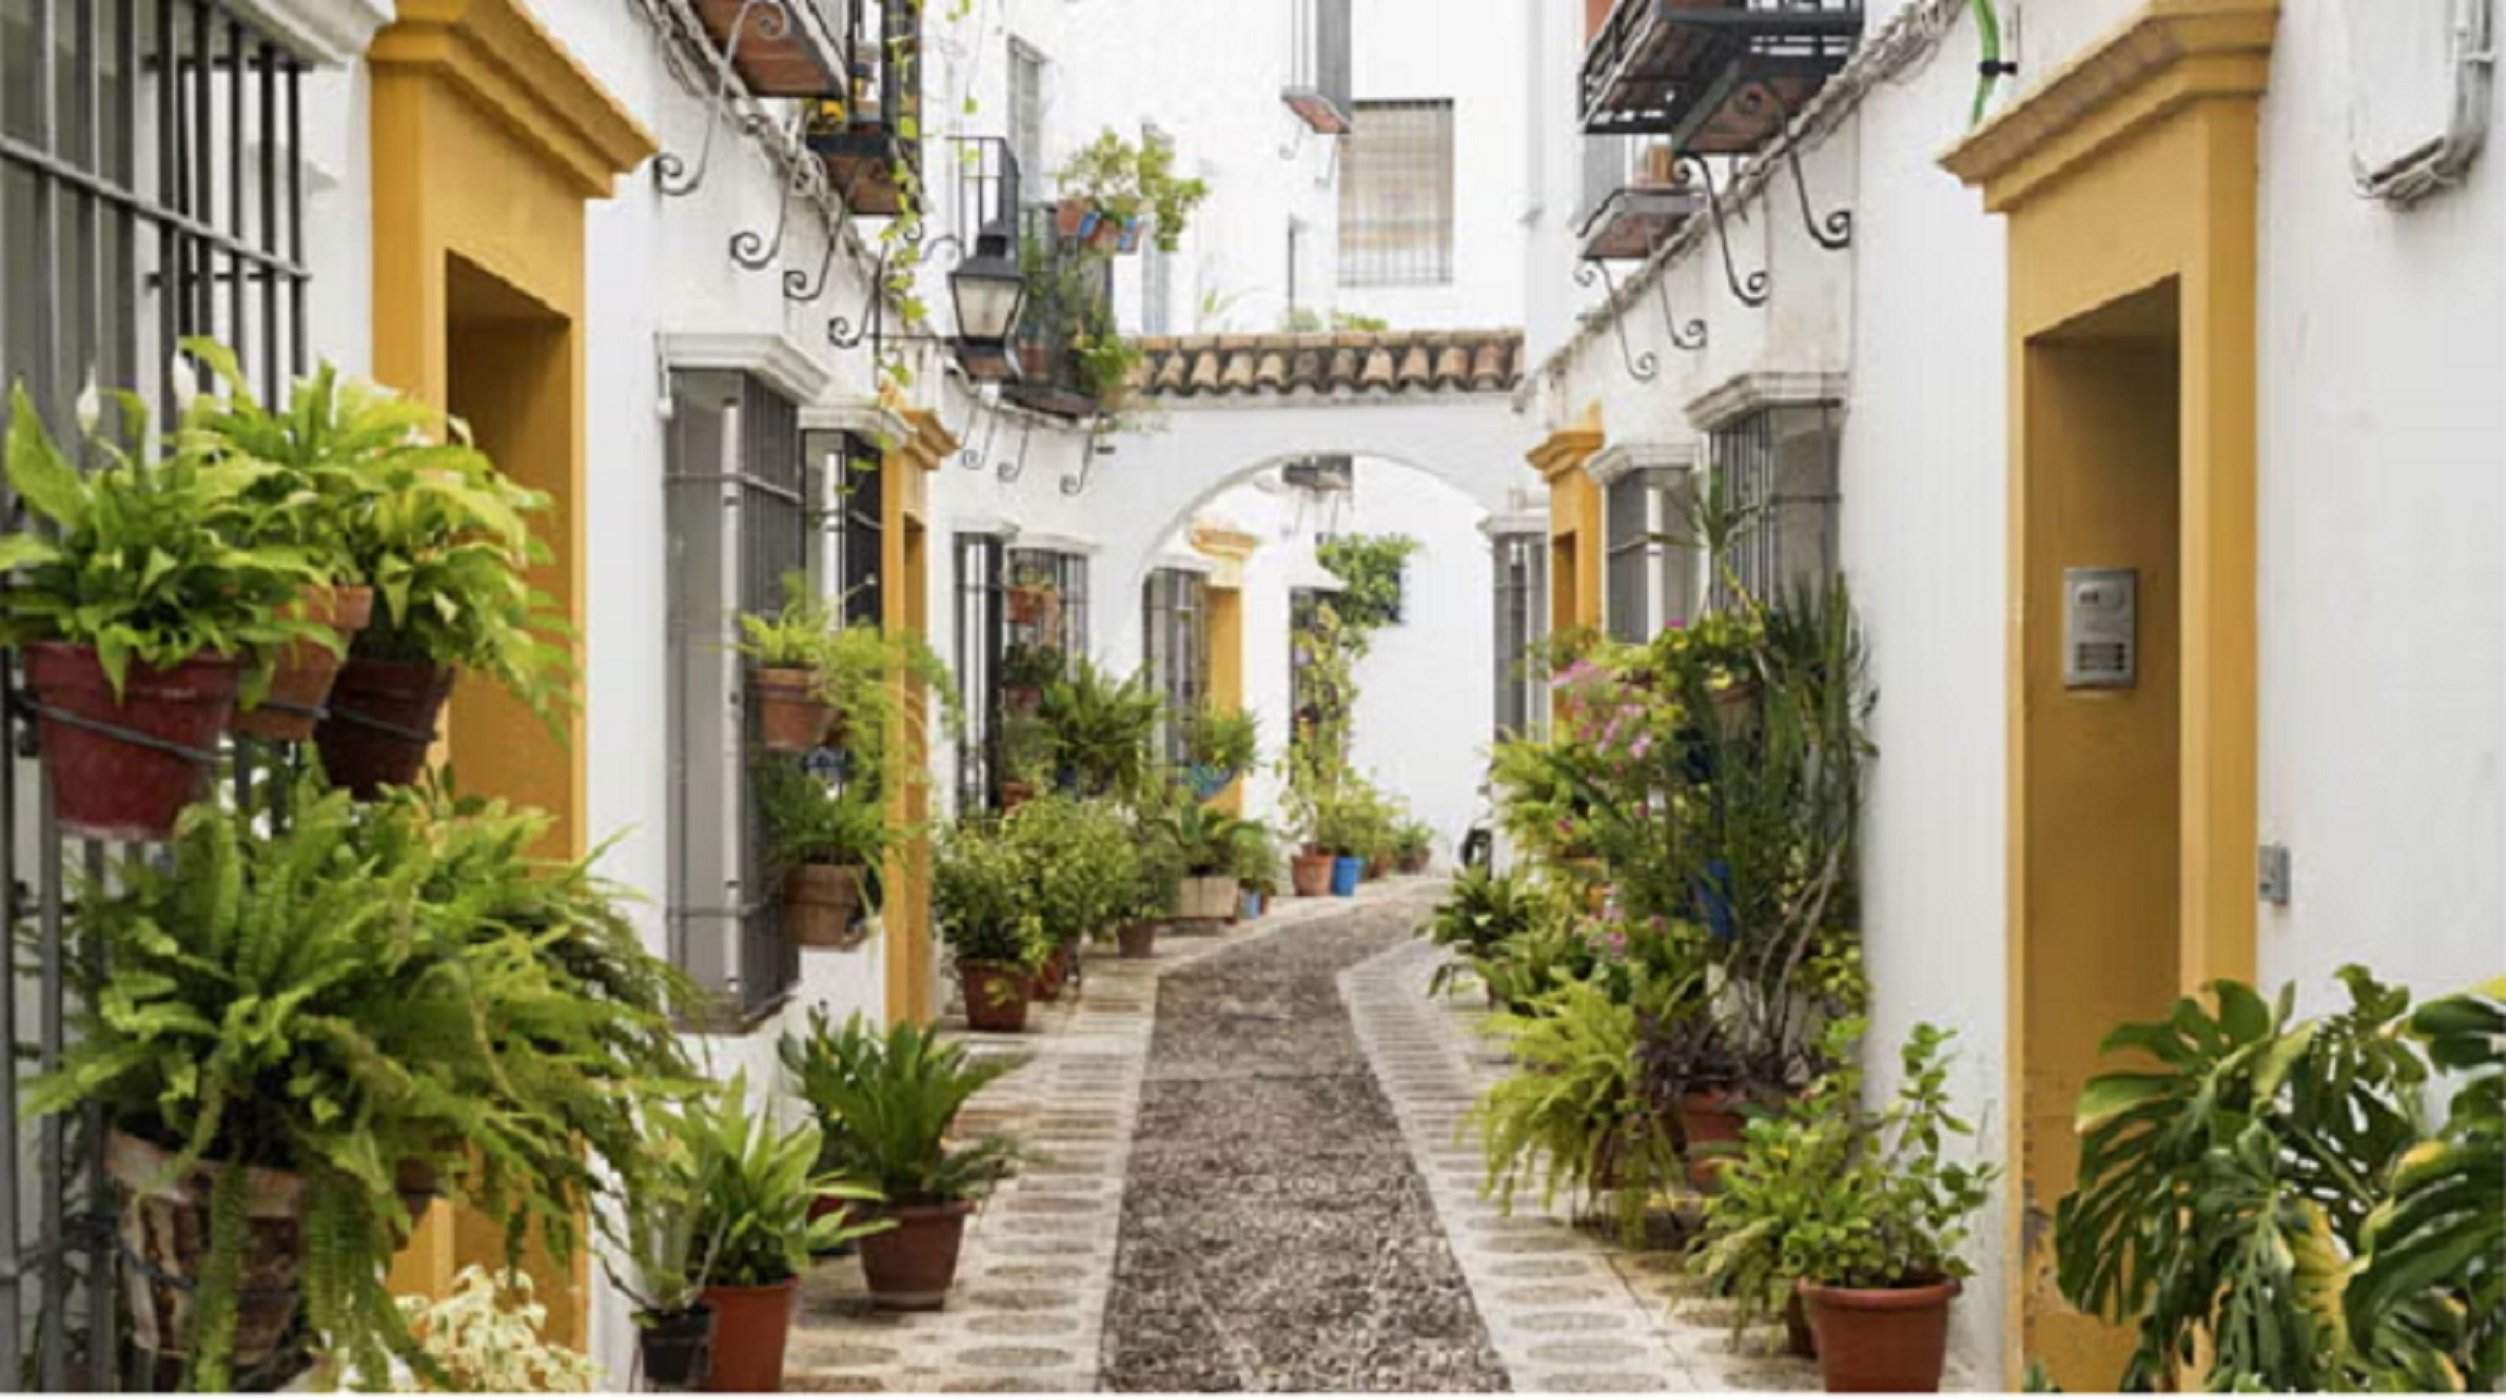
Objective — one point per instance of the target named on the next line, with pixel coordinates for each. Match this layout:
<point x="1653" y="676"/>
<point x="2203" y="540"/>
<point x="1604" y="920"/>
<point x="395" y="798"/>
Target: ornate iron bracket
<point x="1835" y="232"/>
<point x="1752" y="290"/>
<point x="1011" y="471"/>
<point x="842" y="333"/>
<point x="754" y="253"/>
<point x="1690" y="336"/>
<point x="1073" y="484"/>
<point x="970" y="456"/>
<point x="673" y="176"/>
<point x="1642" y="367"/>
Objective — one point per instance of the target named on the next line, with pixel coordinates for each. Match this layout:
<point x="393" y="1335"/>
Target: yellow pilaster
<point x="486" y="140"/>
<point x="904" y="564"/>
<point x="1574" y="522"/>
<point x="2128" y="176"/>
<point x="1231" y="548"/>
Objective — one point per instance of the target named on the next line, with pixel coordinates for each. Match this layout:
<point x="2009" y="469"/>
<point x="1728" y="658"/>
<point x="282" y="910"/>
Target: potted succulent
<point x="1876" y="1247"/>
<point x="829" y="844"/>
<point x="1111" y="187"/>
<point x="981" y="900"/>
<point x="671" y="1243"/>
<point x="1219" y="746"/>
<point x="761" y="1183"/>
<point x="1205" y="840"/>
<point x="787" y="651"/>
<point x="141" y="619"/>
<point x="313" y="469"/>
<point x="898" y="1110"/>
<point x="446" y="542"/>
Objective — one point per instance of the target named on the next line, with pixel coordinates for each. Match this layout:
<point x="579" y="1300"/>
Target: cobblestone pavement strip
<point x="1276" y="1233"/>
<point x="1028" y="1310"/>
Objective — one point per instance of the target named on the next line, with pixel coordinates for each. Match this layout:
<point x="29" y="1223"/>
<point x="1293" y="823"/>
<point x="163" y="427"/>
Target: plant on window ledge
<point x="1111" y="187"/>
<point x="829" y="844"/>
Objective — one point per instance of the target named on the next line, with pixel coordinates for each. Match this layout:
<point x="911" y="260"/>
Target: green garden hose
<point x="1989" y="67"/>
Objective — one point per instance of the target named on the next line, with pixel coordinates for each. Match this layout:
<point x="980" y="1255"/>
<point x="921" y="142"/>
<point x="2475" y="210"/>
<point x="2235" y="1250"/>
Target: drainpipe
<point x="1989" y="67"/>
<point x="2440" y="163"/>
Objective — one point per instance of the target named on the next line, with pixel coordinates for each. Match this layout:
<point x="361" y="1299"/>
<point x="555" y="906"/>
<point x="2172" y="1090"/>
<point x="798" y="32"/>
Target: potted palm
<point x="897" y="1111"/>
<point x="829" y="844"/>
<point x="980" y="897"/>
<point x="670" y="1246"/>
<point x="761" y="1183"/>
<point x="141" y="619"/>
<point x="445" y="540"/>
<point x="1876" y="1248"/>
<point x="787" y="652"/>
<point x="1204" y="839"/>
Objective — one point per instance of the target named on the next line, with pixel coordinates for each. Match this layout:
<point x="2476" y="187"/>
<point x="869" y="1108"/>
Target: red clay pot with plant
<point x="791" y="717"/>
<point x="751" y="1326"/>
<point x="1309" y="873"/>
<point x="107" y="787"/>
<point x="1137" y="939"/>
<point x="382" y="722"/>
<point x="911" y="1266"/>
<point x="1046" y="983"/>
<point x="996" y="995"/>
<point x="819" y="903"/>
<point x="301" y="684"/>
<point x="1709" y="1116"/>
<point x="1876" y="1340"/>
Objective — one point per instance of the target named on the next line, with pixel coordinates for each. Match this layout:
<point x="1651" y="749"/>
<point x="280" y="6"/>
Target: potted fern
<point x="897" y="1112"/>
<point x="141" y="619"/>
<point x="787" y="652"/>
<point x="981" y="884"/>
<point x="446" y="542"/>
<point x="1220" y="745"/>
<point x="1103" y="730"/>
<point x="829" y="845"/>
<point x="761" y="1184"/>
<point x="1572" y="1116"/>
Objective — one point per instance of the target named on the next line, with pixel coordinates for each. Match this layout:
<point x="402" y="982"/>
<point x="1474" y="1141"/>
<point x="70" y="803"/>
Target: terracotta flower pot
<point x="677" y="1349"/>
<point x="1798" y="1339"/>
<point x="996" y="995"/>
<point x="1033" y="605"/>
<point x="911" y="1266"/>
<point x="1015" y="794"/>
<point x="1075" y="218"/>
<point x="1045" y="984"/>
<point x="1873" y="1340"/>
<point x="301" y="685"/>
<point x="382" y="722"/>
<point x="106" y="786"/>
<point x="1375" y="867"/>
<point x="1709" y="1117"/>
<point x="790" y="716"/>
<point x="165" y="1227"/>
<point x="1137" y="939"/>
<point x="751" y="1325"/>
<point x="819" y="904"/>
<point x="1414" y="863"/>
<point x="1309" y="874"/>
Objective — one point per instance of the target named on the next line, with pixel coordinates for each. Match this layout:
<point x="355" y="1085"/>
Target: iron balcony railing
<point x="1070" y="302"/>
<point x="780" y="48"/>
<point x="1717" y="77"/>
<point x="861" y="124"/>
<point x="1321" y="87"/>
<point x="1634" y="196"/>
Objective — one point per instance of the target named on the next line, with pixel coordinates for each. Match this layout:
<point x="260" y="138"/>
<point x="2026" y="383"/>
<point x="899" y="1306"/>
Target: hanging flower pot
<point x="996" y="995"/>
<point x="820" y="904"/>
<point x="1137" y="939"/>
<point x="1015" y="794"/>
<point x="123" y="769"/>
<point x="677" y="1348"/>
<point x="301" y="685"/>
<point x="382" y="722"/>
<point x="912" y="1266"/>
<point x="751" y="1326"/>
<point x="1309" y="873"/>
<point x="1873" y="1340"/>
<point x="791" y="716"/>
<point x="1033" y="604"/>
<point x="1127" y="238"/>
<point x="1076" y="218"/>
<point x="164" y="1226"/>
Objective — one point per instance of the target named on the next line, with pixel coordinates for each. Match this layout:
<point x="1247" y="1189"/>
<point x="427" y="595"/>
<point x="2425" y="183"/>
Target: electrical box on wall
<point x="2100" y="629"/>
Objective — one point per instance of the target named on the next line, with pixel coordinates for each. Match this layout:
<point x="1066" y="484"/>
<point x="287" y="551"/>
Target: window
<point x="1022" y="614"/>
<point x="1026" y="112"/>
<point x="1303" y="603"/>
<point x="156" y="195"/>
<point x="1522" y="589"/>
<point x="1396" y="196"/>
<point x="1175" y="607"/>
<point x="1650" y="569"/>
<point x="739" y="524"/>
<point x="859" y="489"/>
<point x="979" y="646"/>
<point x="1778" y="466"/>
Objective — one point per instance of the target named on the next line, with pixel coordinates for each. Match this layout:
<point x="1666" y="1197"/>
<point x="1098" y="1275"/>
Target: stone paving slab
<point x="1029" y="1307"/>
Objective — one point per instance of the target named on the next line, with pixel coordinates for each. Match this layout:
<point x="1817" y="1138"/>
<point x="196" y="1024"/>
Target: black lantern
<point x="989" y="289"/>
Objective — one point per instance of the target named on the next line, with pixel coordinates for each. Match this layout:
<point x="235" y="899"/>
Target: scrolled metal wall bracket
<point x="1752" y="290"/>
<point x="754" y="253"/>
<point x="970" y="456"/>
<point x="1834" y="232"/>
<point x="1688" y="336"/>
<point x="844" y="334"/>
<point x="1011" y="471"/>
<point x="1642" y="368"/>
<point x="675" y="177"/>
<point x="1077" y="482"/>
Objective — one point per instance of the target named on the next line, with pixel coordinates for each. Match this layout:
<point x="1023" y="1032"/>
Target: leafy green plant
<point x="817" y="1063"/>
<point x="898" y="1107"/>
<point x="1127" y="182"/>
<point x="795" y="635"/>
<point x="1569" y="1114"/>
<point x="761" y="1182"/>
<point x="1032" y="666"/>
<point x="982" y="885"/>
<point x="1103" y="729"/>
<point x="1369" y="568"/>
<point x="1482" y="912"/>
<point x="1253" y="857"/>
<point x="1030" y="750"/>
<point x="2263" y="1191"/>
<point x="316" y="466"/>
<point x="1224" y="740"/>
<point x="489" y="1334"/>
<point x="811" y="823"/>
<point x="1204" y="836"/>
<point x="1081" y="861"/>
<point x="142" y="561"/>
<point x="1780" y="1181"/>
<point x="658" y="1223"/>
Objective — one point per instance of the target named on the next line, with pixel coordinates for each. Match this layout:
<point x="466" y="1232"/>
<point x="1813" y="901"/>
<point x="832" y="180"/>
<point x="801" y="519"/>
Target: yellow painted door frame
<point x="1574" y="522"/>
<point x="904" y="566"/>
<point x="2129" y="181"/>
<point x="1230" y="548"/>
<point x="487" y="139"/>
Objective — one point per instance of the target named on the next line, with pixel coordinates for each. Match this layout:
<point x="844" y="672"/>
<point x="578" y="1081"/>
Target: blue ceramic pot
<point x="1346" y="871"/>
